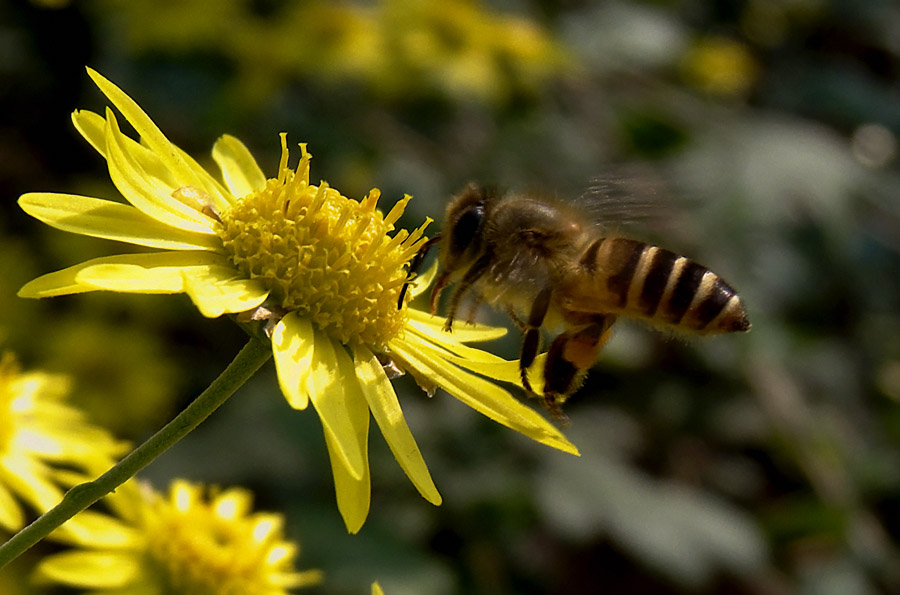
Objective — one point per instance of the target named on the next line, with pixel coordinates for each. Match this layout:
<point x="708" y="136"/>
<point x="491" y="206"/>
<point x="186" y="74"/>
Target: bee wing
<point x="631" y="198"/>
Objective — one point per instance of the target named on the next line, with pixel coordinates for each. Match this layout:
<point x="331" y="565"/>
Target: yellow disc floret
<point x="214" y="545"/>
<point x="322" y="255"/>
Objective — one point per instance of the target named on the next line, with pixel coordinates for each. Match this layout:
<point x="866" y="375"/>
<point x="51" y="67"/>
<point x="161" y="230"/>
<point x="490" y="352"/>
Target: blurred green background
<point x="752" y="464"/>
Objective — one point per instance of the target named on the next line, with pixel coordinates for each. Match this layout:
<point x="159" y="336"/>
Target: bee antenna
<point x="415" y="265"/>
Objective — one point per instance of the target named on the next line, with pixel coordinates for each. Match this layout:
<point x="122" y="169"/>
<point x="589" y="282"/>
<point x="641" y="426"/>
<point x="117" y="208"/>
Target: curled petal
<point x="92" y="127"/>
<point x="184" y="169"/>
<point x="292" y="343"/>
<point x="151" y="195"/>
<point x="239" y="169"/>
<point x="423" y="281"/>
<point x="217" y="290"/>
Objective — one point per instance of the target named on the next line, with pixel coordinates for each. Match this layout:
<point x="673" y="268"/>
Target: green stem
<point x="253" y="355"/>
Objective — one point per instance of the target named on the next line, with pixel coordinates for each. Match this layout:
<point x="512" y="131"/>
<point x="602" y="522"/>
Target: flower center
<point x="323" y="255"/>
<point x="192" y="549"/>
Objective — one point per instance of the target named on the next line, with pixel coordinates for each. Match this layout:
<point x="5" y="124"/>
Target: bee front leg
<point x="475" y="272"/>
<point x="570" y="356"/>
<point x="414" y="267"/>
<point x="531" y="339"/>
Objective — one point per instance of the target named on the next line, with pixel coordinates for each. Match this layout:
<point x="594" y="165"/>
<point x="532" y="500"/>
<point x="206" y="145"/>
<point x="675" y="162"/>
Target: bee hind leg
<point x="531" y="338"/>
<point x="571" y="355"/>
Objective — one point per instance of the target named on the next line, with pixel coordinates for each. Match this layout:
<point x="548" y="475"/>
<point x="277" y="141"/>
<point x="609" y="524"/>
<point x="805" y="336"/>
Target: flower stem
<point x="251" y="357"/>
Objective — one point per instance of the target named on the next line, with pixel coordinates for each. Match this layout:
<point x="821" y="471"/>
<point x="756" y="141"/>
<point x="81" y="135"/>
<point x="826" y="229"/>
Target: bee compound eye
<point x="466" y="229"/>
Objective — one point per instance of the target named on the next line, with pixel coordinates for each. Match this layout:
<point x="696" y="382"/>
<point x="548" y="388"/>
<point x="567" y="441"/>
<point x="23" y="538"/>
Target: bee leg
<point x="414" y="267"/>
<point x="570" y="356"/>
<point x="475" y="272"/>
<point x="531" y="340"/>
<point x="559" y="375"/>
<point x="515" y="318"/>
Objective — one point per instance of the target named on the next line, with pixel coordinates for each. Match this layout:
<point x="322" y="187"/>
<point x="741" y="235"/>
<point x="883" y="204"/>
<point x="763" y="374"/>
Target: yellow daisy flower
<point x="188" y="542"/>
<point x="45" y="445"/>
<point x="320" y="269"/>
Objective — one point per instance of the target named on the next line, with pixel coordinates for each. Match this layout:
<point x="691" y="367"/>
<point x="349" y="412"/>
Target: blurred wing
<point x="632" y="199"/>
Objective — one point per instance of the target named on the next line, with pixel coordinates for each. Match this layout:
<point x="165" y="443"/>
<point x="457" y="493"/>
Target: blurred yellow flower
<point x="720" y="66"/>
<point x="319" y="268"/>
<point x="197" y="541"/>
<point x="398" y="48"/>
<point x="45" y="444"/>
<point x="461" y="49"/>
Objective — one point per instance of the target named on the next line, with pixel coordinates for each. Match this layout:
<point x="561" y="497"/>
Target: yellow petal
<point x="299" y="580"/>
<point x="235" y="503"/>
<point x="27" y="478"/>
<point x="376" y="589"/>
<point x="385" y="407"/>
<point x="221" y="198"/>
<point x="183" y="168"/>
<point x="329" y="391"/>
<point x="353" y="494"/>
<point x="91" y="570"/>
<point x="156" y="272"/>
<point x="479" y="394"/>
<point x="446" y="341"/>
<point x="423" y="281"/>
<point x="462" y="331"/>
<point x="217" y="290"/>
<point x="69" y="280"/>
<point x="476" y="360"/>
<point x="132" y="278"/>
<point x="11" y="517"/>
<point x="148" y="193"/>
<point x="57" y="283"/>
<point x="292" y="345"/>
<point x="92" y="127"/>
<point x="67" y="440"/>
<point x="112" y="221"/>
<point x="95" y="530"/>
<point x="240" y="171"/>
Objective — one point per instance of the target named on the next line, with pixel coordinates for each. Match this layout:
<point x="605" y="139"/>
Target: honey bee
<point x="547" y="264"/>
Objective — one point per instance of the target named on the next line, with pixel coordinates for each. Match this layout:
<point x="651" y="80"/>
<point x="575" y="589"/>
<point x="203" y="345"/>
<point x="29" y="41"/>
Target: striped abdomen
<point x="643" y="281"/>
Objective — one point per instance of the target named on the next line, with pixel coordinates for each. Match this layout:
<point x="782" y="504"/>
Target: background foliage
<point x="761" y="463"/>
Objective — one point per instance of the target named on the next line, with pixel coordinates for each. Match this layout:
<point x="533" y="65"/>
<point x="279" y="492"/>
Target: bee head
<point x="462" y="235"/>
<point x="463" y="228"/>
